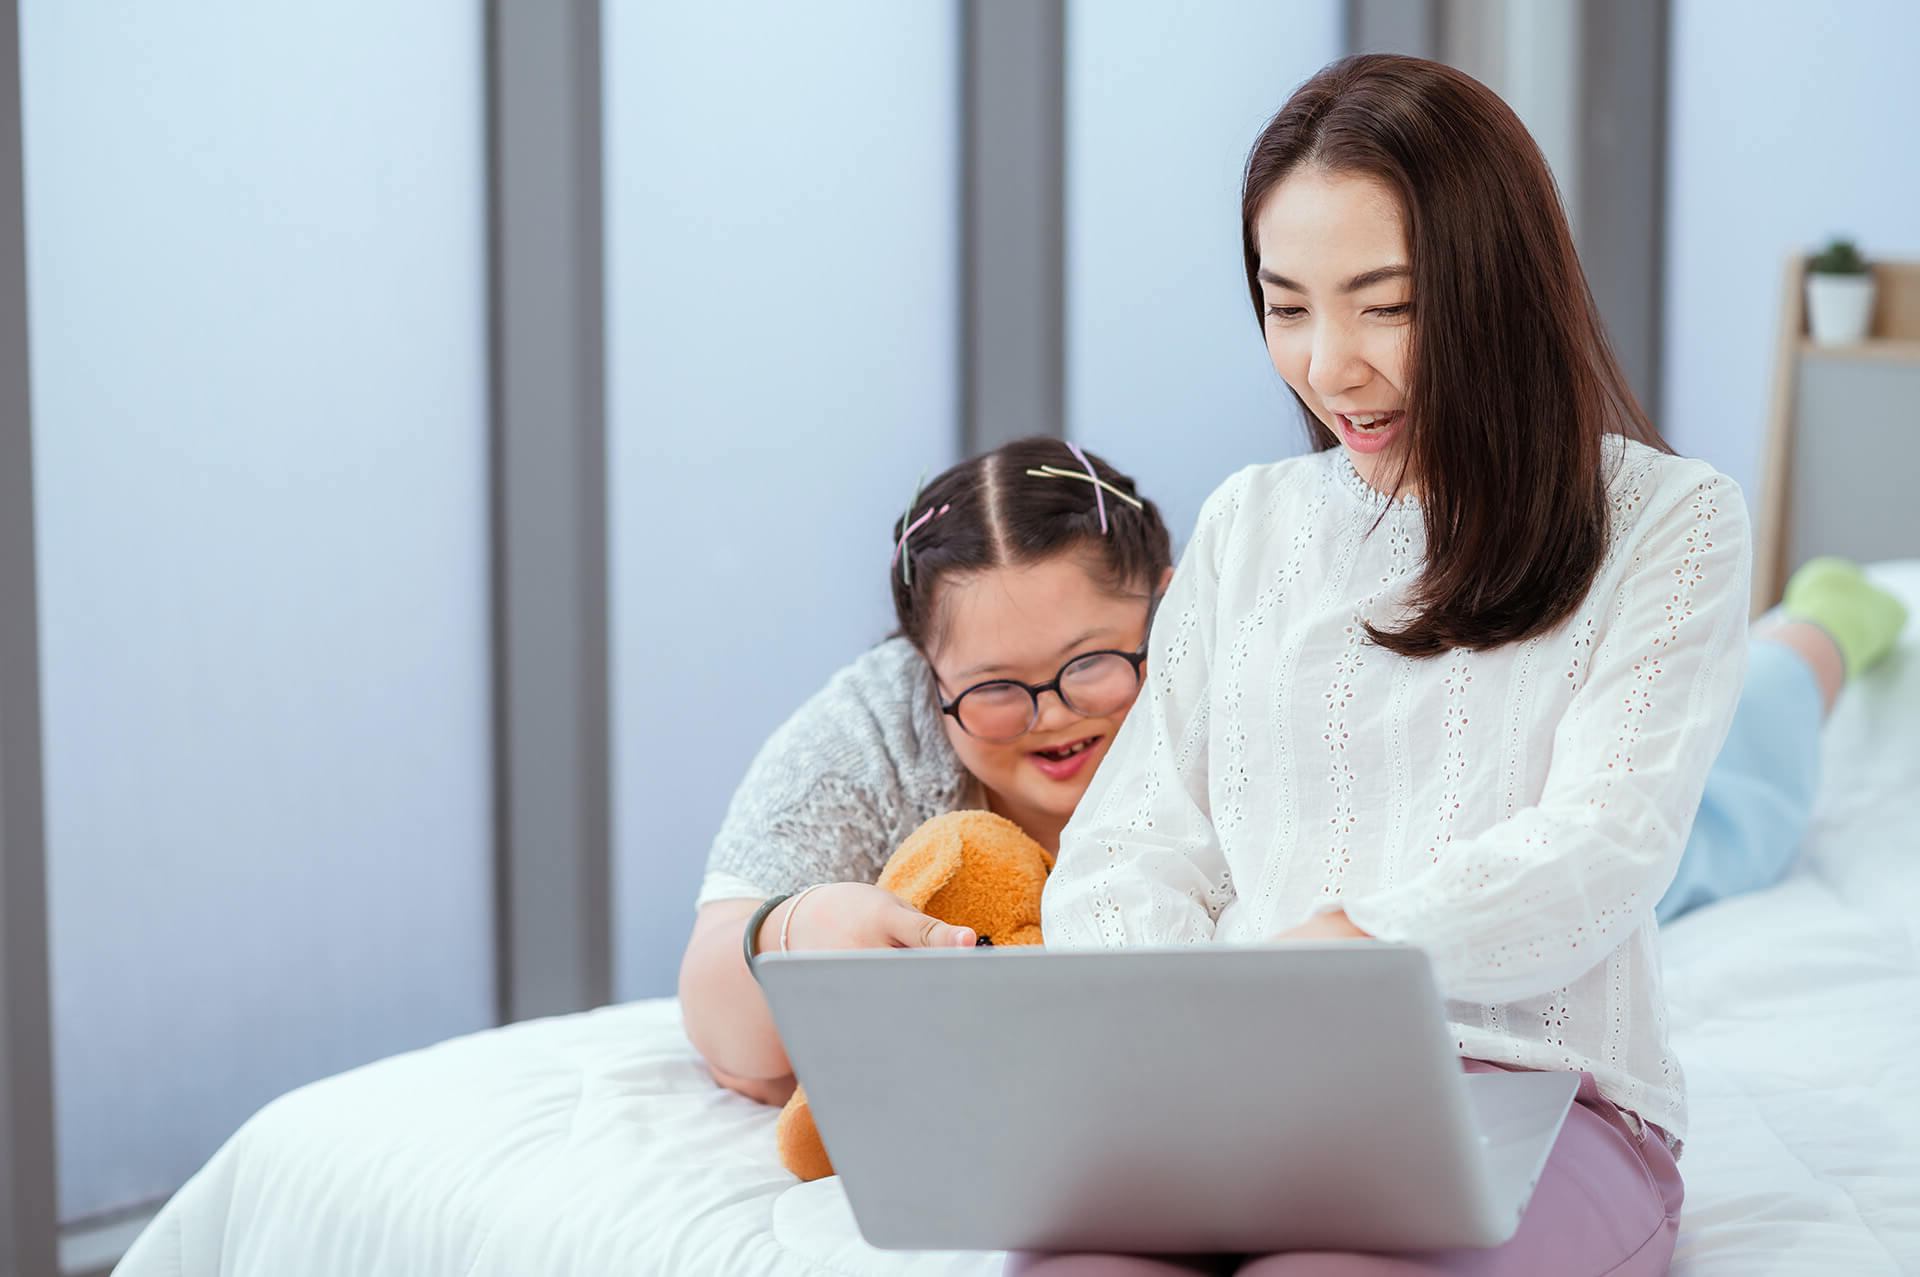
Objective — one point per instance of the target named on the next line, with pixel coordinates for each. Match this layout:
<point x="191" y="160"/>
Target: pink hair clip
<point x="1099" y="498"/>
<point x="900" y="554"/>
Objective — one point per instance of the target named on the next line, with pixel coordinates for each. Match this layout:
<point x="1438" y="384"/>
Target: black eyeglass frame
<point x="1136" y="658"/>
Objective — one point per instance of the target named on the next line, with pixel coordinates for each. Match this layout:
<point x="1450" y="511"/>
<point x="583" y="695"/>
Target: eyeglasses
<point x="1091" y="684"/>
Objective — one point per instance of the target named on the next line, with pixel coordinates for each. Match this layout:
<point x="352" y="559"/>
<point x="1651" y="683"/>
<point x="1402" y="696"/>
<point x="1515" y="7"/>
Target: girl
<point x="1022" y="588"/>
<point x="1457" y="678"/>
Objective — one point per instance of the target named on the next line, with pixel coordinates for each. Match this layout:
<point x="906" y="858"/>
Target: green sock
<point x="1863" y="619"/>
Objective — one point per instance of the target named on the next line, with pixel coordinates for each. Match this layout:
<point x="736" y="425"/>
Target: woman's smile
<point x="1369" y="432"/>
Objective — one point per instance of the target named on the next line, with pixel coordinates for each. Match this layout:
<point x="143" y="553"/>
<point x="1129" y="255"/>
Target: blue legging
<point x="1759" y="795"/>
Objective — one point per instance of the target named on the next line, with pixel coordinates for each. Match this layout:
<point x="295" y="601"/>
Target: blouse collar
<point x="1365" y="493"/>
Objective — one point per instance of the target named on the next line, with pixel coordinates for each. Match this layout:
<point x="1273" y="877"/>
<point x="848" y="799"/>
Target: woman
<point x="1457" y="678"/>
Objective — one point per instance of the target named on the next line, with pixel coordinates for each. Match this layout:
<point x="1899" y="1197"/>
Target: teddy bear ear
<point x="926" y="862"/>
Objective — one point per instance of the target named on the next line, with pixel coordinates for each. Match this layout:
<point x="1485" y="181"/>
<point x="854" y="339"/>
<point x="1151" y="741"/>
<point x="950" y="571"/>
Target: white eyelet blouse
<point x="1515" y="812"/>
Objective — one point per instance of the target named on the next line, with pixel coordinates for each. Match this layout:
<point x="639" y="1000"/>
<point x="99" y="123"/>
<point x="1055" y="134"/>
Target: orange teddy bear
<point x="970" y="869"/>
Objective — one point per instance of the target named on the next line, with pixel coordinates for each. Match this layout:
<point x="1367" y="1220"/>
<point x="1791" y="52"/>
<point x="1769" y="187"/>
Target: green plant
<point x="1839" y="257"/>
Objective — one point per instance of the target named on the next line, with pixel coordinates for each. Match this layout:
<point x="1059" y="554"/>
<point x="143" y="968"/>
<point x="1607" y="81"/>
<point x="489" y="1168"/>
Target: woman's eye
<point x="1393" y="312"/>
<point x="1286" y="312"/>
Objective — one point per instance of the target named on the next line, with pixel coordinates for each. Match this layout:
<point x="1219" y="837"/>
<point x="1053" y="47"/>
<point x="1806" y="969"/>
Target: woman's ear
<point x="1166" y="579"/>
<point x="926" y="862"/>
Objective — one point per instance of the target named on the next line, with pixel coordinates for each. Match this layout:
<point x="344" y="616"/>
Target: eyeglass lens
<point x="1096" y="684"/>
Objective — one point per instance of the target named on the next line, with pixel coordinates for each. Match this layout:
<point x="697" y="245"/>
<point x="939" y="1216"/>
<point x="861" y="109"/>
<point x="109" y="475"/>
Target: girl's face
<point x="1026" y="623"/>
<point x="1337" y="282"/>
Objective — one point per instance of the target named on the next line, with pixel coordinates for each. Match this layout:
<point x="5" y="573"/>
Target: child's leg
<point x="1608" y="1203"/>
<point x="1759" y="794"/>
<point x="1863" y="620"/>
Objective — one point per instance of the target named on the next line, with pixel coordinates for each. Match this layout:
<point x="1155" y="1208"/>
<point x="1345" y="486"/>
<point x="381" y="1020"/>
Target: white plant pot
<point x="1839" y="308"/>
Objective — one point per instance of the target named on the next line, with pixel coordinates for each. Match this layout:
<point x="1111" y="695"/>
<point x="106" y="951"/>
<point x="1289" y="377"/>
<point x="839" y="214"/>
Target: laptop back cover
<point x="1207" y="1099"/>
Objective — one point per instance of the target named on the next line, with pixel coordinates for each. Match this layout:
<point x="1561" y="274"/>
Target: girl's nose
<point x="1054" y="712"/>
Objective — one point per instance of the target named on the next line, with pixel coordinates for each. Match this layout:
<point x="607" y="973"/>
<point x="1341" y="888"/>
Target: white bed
<point x="596" y="1144"/>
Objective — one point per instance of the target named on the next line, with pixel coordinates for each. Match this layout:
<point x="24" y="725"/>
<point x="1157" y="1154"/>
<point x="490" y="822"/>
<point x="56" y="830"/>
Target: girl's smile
<point x="1065" y="761"/>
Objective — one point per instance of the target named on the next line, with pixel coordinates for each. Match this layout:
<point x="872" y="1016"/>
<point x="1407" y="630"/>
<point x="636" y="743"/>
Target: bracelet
<point x="786" y="923"/>
<point x="752" y="932"/>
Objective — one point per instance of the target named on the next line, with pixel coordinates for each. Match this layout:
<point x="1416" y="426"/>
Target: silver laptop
<point x="1215" y="1099"/>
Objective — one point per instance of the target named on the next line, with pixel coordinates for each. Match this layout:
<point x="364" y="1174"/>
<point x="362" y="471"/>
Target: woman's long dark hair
<point x="999" y="515"/>
<point x="1512" y="385"/>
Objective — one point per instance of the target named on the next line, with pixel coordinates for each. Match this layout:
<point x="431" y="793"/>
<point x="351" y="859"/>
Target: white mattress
<point x="596" y="1144"/>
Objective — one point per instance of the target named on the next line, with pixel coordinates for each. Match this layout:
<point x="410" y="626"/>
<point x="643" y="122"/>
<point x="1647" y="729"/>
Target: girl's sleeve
<point x="780" y="836"/>
<point x="814" y="806"/>
<point x="1139" y="863"/>
<point x="1540" y="898"/>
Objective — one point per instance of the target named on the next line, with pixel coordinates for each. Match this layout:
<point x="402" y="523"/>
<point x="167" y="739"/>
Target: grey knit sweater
<point x="856" y="769"/>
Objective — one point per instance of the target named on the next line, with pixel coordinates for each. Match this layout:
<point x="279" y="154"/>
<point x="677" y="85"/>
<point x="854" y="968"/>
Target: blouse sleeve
<point x="1540" y="898"/>
<point x="1139" y="863"/>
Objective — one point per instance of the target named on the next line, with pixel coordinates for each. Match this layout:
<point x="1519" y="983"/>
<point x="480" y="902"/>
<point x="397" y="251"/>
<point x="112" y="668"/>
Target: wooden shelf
<point x="1898" y="349"/>
<point x="1822" y="501"/>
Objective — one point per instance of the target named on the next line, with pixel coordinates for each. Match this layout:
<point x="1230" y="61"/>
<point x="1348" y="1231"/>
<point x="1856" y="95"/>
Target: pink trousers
<point x="1607" y="1203"/>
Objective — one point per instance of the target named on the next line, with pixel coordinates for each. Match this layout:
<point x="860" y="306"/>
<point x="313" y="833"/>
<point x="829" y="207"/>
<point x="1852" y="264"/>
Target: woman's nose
<point x="1335" y="366"/>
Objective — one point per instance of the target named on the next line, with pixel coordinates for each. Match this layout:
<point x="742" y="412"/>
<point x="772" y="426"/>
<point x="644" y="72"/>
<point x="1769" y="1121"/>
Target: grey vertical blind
<point x="1167" y="375"/>
<point x="256" y="285"/>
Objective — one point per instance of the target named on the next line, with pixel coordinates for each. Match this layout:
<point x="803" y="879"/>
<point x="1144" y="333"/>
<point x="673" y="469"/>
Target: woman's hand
<point x="1326" y="926"/>
<point x="855" y="915"/>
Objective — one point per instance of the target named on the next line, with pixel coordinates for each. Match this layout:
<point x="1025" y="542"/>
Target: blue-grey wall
<point x="1167" y="376"/>
<point x="1789" y="122"/>
<point x="782" y="200"/>
<point x="256" y="286"/>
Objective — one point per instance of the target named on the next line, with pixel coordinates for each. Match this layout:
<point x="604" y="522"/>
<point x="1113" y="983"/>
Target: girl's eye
<point x="1286" y="312"/>
<point x="1391" y="312"/>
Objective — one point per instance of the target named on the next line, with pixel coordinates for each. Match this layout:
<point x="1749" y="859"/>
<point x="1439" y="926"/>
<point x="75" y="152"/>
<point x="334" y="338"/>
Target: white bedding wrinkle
<point x="596" y="1144"/>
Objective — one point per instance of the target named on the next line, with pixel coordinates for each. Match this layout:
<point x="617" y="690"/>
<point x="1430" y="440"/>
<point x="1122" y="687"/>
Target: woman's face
<point x="1336" y="280"/>
<point x="1025" y="623"/>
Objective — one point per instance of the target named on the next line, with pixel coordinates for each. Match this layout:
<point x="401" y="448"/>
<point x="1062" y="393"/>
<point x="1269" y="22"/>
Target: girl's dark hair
<point x="1512" y="383"/>
<point x="998" y="516"/>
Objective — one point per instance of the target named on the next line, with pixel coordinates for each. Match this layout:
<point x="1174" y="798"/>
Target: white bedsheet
<point x="596" y="1144"/>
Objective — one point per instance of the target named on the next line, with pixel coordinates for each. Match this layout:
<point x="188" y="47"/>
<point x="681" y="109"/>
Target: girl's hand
<point x="856" y="915"/>
<point x="1327" y="926"/>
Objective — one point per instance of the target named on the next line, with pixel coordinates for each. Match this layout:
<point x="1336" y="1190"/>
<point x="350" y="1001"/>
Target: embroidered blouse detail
<point x="1515" y="812"/>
